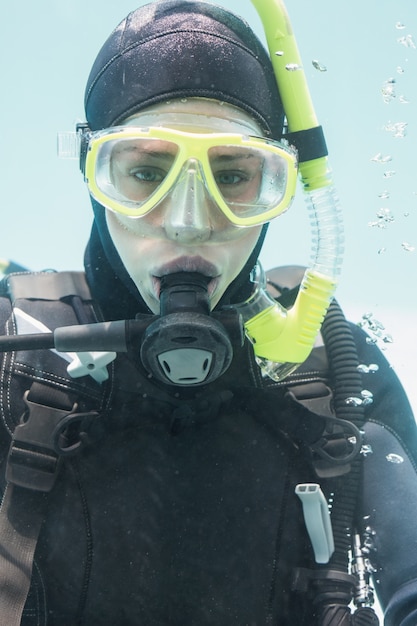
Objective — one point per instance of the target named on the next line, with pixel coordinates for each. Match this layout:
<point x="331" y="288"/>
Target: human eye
<point x="148" y="174"/>
<point x="138" y="168"/>
<point x="229" y="178"/>
<point x="236" y="171"/>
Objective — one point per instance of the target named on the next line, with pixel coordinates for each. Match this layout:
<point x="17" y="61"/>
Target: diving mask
<point x="130" y="170"/>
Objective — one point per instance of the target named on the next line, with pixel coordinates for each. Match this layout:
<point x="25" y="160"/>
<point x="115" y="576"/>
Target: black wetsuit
<point x="181" y="510"/>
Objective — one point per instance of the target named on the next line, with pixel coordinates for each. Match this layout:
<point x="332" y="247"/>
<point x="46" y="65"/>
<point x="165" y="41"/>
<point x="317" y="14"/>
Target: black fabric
<point x="181" y="509"/>
<point x="191" y="527"/>
<point x="145" y="521"/>
<point x="175" y="49"/>
<point x="103" y="267"/>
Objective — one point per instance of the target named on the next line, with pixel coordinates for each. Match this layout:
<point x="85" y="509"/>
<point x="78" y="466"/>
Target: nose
<point x="188" y="208"/>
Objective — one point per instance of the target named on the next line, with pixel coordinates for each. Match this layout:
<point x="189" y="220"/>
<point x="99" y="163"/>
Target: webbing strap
<point x="47" y="286"/>
<point x="21" y="514"/>
<point x="32" y="467"/>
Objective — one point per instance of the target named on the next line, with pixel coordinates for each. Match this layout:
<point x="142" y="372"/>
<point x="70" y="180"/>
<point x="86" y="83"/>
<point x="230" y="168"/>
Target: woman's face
<point x="186" y="231"/>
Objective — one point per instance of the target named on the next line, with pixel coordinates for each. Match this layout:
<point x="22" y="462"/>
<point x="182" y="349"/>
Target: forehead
<point x="197" y="114"/>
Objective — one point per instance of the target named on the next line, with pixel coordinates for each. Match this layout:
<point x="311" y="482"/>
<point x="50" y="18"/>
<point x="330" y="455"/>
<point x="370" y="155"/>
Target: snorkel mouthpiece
<point x="281" y="338"/>
<point x="186" y="346"/>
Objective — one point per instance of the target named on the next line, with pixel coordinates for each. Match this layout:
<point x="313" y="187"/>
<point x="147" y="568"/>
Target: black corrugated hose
<point x="347" y="383"/>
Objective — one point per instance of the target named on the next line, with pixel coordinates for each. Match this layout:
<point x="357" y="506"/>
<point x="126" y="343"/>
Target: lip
<point x="187" y="264"/>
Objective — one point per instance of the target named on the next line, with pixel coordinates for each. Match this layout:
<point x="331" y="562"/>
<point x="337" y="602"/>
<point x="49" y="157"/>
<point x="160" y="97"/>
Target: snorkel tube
<point x="282" y="339"/>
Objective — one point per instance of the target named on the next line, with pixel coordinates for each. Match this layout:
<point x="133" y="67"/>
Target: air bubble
<point x="407" y="246"/>
<point x="384" y="218"/>
<point x="388" y="90"/>
<point x="403" y="100"/>
<point x="367" y="397"/>
<point x="318" y="66"/>
<point x="279" y="53"/>
<point x="407" y="41"/>
<point x="367" y="369"/>
<point x="293" y="67"/>
<point x="384" y="195"/>
<point x="379" y="158"/>
<point x="394" y="458"/>
<point x="399" y="26"/>
<point x="385" y="214"/>
<point x="353" y="401"/>
<point x="375" y="324"/>
<point x="376" y="330"/>
<point x="389" y="173"/>
<point x="398" y="129"/>
<point x="382" y="250"/>
<point x="366" y="450"/>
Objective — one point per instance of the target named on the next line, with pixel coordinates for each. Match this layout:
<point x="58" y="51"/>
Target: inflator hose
<point x="347" y="383"/>
<point x="343" y="363"/>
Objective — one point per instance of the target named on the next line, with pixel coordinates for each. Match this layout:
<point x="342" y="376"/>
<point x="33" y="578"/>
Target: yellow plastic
<point x="190" y="146"/>
<point x="288" y="337"/>
<point x="292" y="82"/>
<point x="285" y="337"/>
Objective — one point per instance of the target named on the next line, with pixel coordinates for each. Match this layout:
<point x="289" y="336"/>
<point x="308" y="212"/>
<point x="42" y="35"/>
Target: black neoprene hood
<point x="176" y="49"/>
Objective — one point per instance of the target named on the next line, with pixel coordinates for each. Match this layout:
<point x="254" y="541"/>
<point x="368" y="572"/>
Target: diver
<point x="180" y="445"/>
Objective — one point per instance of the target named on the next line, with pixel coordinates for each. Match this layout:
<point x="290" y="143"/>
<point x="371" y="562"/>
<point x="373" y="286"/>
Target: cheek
<point x="236" y="252"/>
<point x="131" y="242"/>
<point x="242" y="246"/>
<point x="137" y="252"/>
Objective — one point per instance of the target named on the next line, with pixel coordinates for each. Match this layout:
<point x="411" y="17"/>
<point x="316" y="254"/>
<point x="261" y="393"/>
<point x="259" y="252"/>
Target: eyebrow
<point x="157" y="154"/>
<point x="237" y="156"/>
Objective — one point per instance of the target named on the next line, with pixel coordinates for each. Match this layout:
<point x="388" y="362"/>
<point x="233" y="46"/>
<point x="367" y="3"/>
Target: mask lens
<point x="252" y="181"/>
<point x="132" y="171"/>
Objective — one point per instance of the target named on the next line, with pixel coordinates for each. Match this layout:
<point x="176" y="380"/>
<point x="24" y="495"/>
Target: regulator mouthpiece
<point x="185" y="345"/>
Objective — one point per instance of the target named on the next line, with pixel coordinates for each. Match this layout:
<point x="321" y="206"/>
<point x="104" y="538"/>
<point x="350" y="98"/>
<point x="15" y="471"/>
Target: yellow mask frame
<point x="231" y="151"/>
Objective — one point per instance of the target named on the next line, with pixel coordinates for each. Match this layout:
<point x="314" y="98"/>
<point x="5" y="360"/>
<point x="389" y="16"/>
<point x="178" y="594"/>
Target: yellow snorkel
<point x="283" y="339"/>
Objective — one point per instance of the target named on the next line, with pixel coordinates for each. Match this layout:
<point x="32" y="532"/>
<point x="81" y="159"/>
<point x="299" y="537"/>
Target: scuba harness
<point x="60" y="410"/>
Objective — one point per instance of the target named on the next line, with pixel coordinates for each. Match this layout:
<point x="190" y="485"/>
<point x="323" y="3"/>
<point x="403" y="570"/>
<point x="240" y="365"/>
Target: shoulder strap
<point x="46" y="286"/>
<point x="42" y="302"/>
<point x="51" y="404"/>
<point x="21" y="516"/>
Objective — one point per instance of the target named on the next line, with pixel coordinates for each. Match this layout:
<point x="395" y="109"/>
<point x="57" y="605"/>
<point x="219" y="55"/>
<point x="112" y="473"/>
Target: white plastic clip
<point x="317" y="520"/>
<point x="90" y="364"/>
<point x="68" y="145"/>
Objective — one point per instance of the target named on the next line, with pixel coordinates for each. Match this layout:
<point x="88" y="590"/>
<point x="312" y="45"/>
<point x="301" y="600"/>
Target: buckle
<point x="33" y="461"/>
